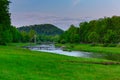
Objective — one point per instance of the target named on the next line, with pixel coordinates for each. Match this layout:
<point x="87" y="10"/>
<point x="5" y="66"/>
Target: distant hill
<point x="43" y="29"/>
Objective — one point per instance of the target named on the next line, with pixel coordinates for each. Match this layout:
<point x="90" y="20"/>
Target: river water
<point x="52" y="49"/>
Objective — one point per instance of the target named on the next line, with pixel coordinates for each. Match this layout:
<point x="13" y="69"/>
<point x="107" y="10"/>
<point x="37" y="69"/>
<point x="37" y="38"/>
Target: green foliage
<point x="43" y="29"/>
<point x="5" y="36"/>
<point x="93" y="44"/>
<point x="4" y="13"/>
<point x="110" y="37"/>
<point x="105" y="45"/>
<point x="71" y="35"/>
<point x="31" y="34"/>
<point x="44" y="32"/>
<point x="106" y="30"/>
<point x="118" y="45"/>
<point x="93" y="37"/>
<point x="8" y="33"/>
<point x="15" y="34"/>
<point x="25" y="36"/>
<point x="5" y="22"/>
<point x="112" y="45"/>
<point x="47" y="38"/>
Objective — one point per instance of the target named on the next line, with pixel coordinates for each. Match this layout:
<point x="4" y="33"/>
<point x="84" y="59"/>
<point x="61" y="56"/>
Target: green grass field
<point x="22" y="64"/>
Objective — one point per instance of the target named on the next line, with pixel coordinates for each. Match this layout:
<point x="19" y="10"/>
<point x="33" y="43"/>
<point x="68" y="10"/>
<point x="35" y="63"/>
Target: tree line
<point x="32" y="34"/>
<point x="44" y="32"/>
<point x="103" y="30"/>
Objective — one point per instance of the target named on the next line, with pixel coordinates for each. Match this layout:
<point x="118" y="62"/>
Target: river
<point x="52" y="49"/>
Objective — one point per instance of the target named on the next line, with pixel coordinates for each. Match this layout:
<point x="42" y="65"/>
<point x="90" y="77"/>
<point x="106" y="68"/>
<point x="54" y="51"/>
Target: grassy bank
<point x="89" y="48"/>
<point x="23" y="64"/>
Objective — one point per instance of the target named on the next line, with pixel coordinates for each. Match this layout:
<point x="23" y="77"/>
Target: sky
<point x="61" y="13"/>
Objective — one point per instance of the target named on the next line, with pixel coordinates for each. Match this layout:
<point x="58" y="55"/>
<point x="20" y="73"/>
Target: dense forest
<point x="103" y="30"/>
<point x="43" y="29"/>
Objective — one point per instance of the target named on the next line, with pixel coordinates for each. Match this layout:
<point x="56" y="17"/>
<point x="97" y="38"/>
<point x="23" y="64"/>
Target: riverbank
<point x="22" y="64"/>
<point x="89" y="48"/>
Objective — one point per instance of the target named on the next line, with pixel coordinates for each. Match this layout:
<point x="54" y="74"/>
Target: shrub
<point x="112" y="45"/>
<point x="118" y="45"/>
<point x="93" y="44"/>
<point x="105" y="45"/>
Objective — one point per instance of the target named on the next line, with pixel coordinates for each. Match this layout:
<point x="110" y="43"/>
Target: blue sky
<point x="61" y="13"/>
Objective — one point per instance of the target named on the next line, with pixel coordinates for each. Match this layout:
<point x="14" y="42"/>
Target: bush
<point x="109" y="45"/>
<point x="100" y="45"/>
<point x="118" y="45"/>
<point x="105" y="45"/>
<point x="112" y="45"/>
<point x="93" y="44"/>
<point x="62" y="41"/>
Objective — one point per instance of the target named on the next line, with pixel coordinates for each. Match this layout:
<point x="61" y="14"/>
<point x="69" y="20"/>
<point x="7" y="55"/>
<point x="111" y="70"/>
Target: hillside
<point x="43" y="29"/>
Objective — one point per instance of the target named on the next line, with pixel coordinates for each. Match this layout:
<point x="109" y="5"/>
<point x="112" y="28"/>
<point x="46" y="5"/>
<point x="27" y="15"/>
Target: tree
<point x="31" y="34"/>
<point x="71" y="35"/>
<point x="84" y="27"/>
<point x="15" y="34"/>
<point x="110" y="37"/>
<point x="93" y="37"/>
<point x="25" y="37"/>
<point x="5" y="22"/>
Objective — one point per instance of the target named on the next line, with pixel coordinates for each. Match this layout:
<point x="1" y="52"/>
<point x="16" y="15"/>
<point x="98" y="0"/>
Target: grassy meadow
<point x="22" y="64"/>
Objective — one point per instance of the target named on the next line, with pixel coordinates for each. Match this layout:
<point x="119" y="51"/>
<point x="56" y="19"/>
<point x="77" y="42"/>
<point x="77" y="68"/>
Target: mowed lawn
<point x="22" y="64"/>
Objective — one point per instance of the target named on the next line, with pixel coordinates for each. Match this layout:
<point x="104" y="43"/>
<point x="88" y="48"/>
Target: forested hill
<point x="43" y="29"/>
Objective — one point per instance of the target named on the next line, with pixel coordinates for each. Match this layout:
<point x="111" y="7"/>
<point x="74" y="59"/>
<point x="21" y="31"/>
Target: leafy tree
<point x="15" y="34"/>
<point x="5" y="22"/>
<point x="25" y="37"/>
<point x="110" y="37"/>
<point x="93" y="37"/>
<point x="31" y="34"/>
<point x="71" y="35"/>
<point x="84" y="27"/>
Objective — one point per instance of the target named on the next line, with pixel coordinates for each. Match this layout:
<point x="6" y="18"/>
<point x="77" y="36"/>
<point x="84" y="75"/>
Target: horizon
<point x="61" y="13"/>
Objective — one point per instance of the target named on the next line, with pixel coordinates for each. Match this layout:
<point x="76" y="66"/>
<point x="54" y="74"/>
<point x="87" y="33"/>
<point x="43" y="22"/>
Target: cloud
<point x="22" y="19"/>
<point x="76" y="2"/>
